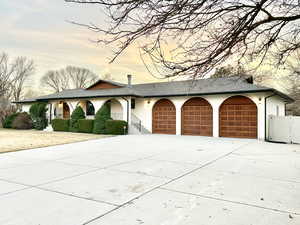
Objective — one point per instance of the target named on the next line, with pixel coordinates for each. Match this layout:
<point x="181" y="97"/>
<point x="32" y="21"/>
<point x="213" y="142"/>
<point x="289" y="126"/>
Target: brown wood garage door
<point x="164" y="117"/>
<point x="238" y="118"/>
<point x="197" y="117"/>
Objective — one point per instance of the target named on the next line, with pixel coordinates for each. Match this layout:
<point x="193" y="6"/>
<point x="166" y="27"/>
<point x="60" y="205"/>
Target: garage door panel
<point x="196" y="117"/>
<point x="164" y="117"/>
<point x="238" y="118"/>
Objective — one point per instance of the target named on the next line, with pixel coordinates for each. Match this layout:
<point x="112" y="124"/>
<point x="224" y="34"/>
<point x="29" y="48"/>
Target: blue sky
<point x="38" y="29"/>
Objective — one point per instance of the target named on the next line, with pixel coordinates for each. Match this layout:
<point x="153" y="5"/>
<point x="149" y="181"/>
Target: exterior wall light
<point x="148" y="101"/>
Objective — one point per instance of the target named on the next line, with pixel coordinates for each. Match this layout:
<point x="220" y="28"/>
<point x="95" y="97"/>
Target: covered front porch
<point x="62" y="109"/>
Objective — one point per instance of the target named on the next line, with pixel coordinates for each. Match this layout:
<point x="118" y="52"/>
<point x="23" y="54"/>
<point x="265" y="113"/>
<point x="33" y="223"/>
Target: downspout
<point x="266" y="98"/>
<point x="285" y="108"/>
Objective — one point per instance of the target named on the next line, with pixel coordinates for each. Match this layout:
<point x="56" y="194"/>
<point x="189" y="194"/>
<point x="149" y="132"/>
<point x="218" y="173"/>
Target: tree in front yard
<point x="77" y="114"/>
<point x="38" y="115"/>
<point x="101" y="117"/>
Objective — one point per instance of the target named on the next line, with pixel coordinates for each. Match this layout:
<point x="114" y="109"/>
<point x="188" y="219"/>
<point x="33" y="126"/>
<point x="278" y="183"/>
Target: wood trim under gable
<point x="102" y="85"/>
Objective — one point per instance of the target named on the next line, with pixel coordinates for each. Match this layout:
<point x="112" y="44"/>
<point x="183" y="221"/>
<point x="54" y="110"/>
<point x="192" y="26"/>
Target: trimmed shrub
<point x="23" y="121"/>
<point x="38" y="115"/>
<point x="60" y="124"/>
<point x="7" y="122"/>
<point x="116" y="127"/>
<point x="86" y="126"/>
<point x="101" y="117"/>
<point x="77" y="114"/>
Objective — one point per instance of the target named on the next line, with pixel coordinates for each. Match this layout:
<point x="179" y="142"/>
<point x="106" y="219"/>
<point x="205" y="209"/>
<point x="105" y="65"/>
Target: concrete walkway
<point x="152" y="180"/>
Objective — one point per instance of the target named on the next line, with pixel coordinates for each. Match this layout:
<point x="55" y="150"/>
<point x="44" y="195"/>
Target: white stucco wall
<point x="25" y="107"/>
<point x="143" y="110"/>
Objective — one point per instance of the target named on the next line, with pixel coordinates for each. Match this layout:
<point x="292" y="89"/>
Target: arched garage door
<point x="238" y="118"/>
<point x="164" y="117"/>
<point x="197" y="117"/>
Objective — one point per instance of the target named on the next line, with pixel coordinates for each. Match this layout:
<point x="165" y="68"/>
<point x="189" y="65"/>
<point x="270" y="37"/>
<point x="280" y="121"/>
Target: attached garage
<point x="197" y="117"/>
<point x="164" y="117"/>
<point x="238" y="118"/>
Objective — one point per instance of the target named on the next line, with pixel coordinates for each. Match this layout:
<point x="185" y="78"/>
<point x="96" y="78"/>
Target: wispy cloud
<point x="38" y="29"/>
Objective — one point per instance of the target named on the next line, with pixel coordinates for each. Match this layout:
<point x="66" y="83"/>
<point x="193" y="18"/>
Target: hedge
<point x="77" y="114"/>
<point x="116" y="127"/>
<point x="7" y="122"/>
<point x="60" y="124"/>
<point x="23" y="121"/>
<point x="85" y="126"/>
<point x="102" y="115"/>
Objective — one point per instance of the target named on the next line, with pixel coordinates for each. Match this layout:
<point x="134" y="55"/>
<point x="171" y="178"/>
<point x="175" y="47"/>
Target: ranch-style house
<point x="218" y="107"/>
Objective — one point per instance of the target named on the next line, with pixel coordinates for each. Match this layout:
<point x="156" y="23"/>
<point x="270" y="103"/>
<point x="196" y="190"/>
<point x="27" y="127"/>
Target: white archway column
<point x="72" y="105"/>
<point x="178" y="105"/>
<point x="98" y="103"/>
<point x="82" y="104"/>
<point x="178" y="121"/>
<point x="215" y="103"/>
<point x="216" y="120"/>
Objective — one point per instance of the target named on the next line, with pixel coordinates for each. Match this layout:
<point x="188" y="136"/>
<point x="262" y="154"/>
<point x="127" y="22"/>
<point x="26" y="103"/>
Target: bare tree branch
<point x="200" y="34"/>
<point x="69" y="78"/>
<point x="13" y="76"/>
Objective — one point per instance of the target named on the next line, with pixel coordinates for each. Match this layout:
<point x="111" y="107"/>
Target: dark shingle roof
<point x="175" y="88"/>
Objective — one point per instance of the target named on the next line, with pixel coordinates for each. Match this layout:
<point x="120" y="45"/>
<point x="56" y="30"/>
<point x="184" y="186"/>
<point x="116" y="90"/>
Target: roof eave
<point x="210" y="93"/>
<point x="86" y="97"/>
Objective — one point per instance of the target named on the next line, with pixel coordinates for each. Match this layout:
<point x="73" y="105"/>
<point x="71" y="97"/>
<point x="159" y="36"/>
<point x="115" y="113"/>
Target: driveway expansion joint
<point x="230" y="201"/>
<point x="166" y="183"/>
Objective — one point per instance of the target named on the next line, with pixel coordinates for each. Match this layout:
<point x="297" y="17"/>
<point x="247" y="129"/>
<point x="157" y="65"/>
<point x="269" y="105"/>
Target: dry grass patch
<point x="15" y="140"/>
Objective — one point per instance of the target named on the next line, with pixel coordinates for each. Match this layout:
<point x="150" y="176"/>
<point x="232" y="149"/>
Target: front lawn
<point x="15" y="140"/>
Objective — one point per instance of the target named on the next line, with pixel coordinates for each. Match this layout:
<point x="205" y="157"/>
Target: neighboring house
<point x="219" y="107"/>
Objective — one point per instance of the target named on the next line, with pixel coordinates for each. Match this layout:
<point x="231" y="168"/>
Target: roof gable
<point x="104" y="84"/>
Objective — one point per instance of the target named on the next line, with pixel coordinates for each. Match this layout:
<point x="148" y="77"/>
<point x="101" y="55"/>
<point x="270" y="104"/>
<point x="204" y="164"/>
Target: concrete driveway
<point x="152" y="180"/>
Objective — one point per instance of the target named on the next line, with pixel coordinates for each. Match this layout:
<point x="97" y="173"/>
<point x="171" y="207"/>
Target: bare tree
<point x="68" y="78"/>
<point x="6" y="72"/>
<point x="292" y="82"/>
<point x="81" y="77"/>
<point x="241" y="71"/>
<point x="31" y="93"/>
<point x="13" y="76"/>
<point x="204" y="33"/>
<point x="293" y="88"/>
<point x="54" y="81"/>
<point x="23" y="69"/>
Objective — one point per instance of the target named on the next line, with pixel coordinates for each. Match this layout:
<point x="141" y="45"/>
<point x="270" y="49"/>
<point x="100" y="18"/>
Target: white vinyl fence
<point x="284" y="129"/>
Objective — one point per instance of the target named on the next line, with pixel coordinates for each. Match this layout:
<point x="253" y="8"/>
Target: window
<point x="90" y="109"/>
<point x="132" y="103"/>
<point x="277" y="110"/>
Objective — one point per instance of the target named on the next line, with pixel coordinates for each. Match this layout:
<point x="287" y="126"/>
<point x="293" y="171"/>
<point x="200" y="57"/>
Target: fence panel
<point x="284" y="129"/>
<point x="295" y="131"/>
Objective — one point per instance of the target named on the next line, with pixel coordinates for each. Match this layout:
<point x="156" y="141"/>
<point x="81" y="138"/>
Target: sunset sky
<point x="38" y="29"/>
